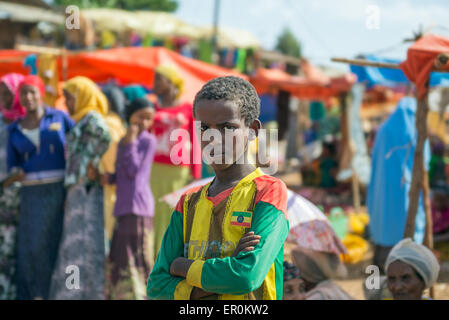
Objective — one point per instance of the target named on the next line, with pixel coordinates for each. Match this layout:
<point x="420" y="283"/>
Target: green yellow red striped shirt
<point x="208" y="230"/>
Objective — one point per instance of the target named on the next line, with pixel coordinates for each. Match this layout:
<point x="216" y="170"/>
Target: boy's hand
<point x="246" y="243"/>
<point x="180" y="266"/>
<point x="198" y="293"/>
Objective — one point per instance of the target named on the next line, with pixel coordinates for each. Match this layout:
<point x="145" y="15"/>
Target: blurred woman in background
<point x="11" y="110"/>
<point x="82" y="243"/>
<point x="131" y="257"/>
<point x="410" y="268"/>
<point x="36" y="146"/>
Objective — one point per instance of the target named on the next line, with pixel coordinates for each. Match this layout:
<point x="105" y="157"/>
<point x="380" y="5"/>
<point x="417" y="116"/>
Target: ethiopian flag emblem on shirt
<point x="241" y="219"/>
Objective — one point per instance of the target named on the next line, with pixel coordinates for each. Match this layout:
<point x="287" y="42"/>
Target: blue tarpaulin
<point x="391" y="175"/>
<point x="391" y="77"/>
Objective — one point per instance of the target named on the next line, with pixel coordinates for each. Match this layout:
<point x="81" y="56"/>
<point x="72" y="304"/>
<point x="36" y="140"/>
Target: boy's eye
<point x="229" y="127"/>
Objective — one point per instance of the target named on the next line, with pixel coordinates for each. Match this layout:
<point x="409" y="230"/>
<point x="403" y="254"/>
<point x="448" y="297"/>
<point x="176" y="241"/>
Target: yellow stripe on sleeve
<point x="194" y="274"/>
<point x="183" y="291"/>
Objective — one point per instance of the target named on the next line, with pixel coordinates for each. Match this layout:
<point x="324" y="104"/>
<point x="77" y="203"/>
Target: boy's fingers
<point x="247" y="249"/>
<point x="249" y="243"/>
<point x="249" y="238"/>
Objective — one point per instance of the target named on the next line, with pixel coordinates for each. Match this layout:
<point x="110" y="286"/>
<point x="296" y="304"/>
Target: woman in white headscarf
<point x="411" y="268"/>
<point x="317" y="269"/>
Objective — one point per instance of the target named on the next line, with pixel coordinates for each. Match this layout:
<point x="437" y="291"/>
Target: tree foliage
<point x="156" y="5"/>
<point x="288" y="44"/>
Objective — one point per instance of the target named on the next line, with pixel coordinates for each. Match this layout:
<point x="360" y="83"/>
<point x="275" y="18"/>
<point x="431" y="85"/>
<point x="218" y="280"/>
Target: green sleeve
<point x="245" y="272"/>
<point x="161" y="285"/>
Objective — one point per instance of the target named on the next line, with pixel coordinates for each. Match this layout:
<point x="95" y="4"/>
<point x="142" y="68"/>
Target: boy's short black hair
<point x="234" y="89"/>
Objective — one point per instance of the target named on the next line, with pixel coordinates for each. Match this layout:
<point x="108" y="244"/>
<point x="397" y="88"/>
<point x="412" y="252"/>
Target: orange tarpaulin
<point x="129" y="65"/>
<point x="420" y="58"/>
<point x="314" y="86"/>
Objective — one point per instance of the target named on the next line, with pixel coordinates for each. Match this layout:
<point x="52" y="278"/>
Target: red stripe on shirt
<point x="273" y="191"/>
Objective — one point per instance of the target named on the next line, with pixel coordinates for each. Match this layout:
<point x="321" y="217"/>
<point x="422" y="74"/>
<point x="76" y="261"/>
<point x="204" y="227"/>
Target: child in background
<point x="328" y="166"/>
<point x="131" y="249"/>
<point x="226" y="239"/>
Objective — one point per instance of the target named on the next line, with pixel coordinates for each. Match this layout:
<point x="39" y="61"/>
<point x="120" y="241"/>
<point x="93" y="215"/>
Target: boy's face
<point x="224" y="135"/>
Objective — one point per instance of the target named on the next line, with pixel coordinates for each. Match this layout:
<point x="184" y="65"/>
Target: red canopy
<point x="314" y="86"/>
<point x="127" y="65"/>
<point x="420" y="58"/>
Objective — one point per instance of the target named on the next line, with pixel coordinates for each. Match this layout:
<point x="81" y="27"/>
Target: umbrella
<point x="309" y="227"/>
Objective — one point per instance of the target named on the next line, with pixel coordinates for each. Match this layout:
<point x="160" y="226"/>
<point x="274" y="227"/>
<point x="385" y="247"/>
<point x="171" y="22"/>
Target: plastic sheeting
<point x="392" y="164"/>
<point x="128" y="65"/>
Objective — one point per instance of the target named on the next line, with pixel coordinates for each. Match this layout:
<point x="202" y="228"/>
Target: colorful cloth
<point x="88" y="97"/>
<point x="164" y="180"/>
<point x="86" y="142"/>
<point x="34" y="81"/>
<point x="82" y="249"/>
<point x="131" y="257"/>
<point x="290" y="271"/>
<point x="107" y="165"/>
<point x="203" y="232"/>
<point x="166" y="122"/>
<point x="134" y="91"/>
<point x="172" y="74"/>
<point x="39" y="234"/>
<point x="82" y="243"/>
<point x="12" y="82"/>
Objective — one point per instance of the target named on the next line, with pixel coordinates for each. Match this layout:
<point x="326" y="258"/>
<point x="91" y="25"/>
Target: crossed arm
<point x="175" y="277"/>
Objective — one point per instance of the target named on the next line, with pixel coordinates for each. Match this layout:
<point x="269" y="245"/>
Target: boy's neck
<point x="230" y="177"/>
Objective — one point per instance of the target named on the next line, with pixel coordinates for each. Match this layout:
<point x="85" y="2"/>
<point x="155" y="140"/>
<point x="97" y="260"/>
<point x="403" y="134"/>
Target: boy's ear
<point x="254" y="129"/>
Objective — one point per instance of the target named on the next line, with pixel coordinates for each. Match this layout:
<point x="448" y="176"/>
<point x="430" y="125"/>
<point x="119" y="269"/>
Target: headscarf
<point x="12" y="82"/>
<point x="88" y="97"/>
<point x="116" y="99"/>
<point x="316" y="266"/>
<point x="290" y="271"/>
<point x="136" y="105"/>
<point x="34" y="81"/>
<point x="418" y="257"/>
<point x="172" y="74"/>
<point x="134" y="91"/>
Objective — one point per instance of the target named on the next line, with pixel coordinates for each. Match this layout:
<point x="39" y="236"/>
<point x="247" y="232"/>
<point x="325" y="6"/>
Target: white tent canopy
<point x="162" y="24"/>
<point x="29" y="14"/>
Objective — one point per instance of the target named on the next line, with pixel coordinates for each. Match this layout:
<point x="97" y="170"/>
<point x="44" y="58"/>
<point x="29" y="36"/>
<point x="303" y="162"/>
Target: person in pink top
<point x="178" y="158"/>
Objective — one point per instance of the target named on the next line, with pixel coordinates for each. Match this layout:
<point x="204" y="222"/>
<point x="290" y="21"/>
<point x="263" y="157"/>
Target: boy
<point x="225" y="239"/>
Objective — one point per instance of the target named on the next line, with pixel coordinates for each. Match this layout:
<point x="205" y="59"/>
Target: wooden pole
<point x="367" y="63"/>
<point x="418" y="171"/>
